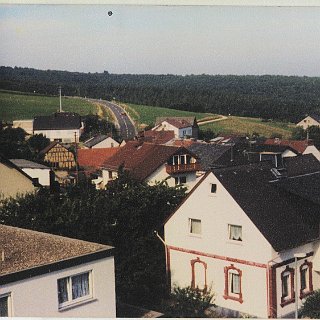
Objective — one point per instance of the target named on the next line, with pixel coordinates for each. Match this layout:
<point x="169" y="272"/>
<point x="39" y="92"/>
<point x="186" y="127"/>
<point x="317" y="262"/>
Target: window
<point x="213" y="188"/>
<point x="180" y="180"/>
<point x="74" y="289"/>
<point x="5" y="305"/>
<point x="195" y="226"/>
<point x="235" y="232"/>
<point x="306" y="286"/>
<point x="233" y="287"/>
<point x="287" y="286"/>
<point x="198" y="274"/>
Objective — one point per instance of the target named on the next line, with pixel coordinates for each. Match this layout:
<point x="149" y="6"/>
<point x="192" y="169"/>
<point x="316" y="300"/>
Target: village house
<point x="44" y="275"/>
<point x="14" y="180"/>
<point x="153" y="163"/>
<point x="255" y="232"/>
<point x="183" y="127"/>
<point x="38" y="172"/>
<point x="64" y="127"/>
<point x="100" y="141"/>
<point x="59" y="156"/>
<point x="311" y="120"/>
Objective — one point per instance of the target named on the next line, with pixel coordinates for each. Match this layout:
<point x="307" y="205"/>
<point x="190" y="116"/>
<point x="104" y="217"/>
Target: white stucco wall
<point x="313" y="150"/>
<point x="308" y="122"/>
<point x="42" y="174"/>
<point x="185" y="132"/>
<point x="288" y="153"/>
<point x="216" y="211"/>
<point x="106" y="143"/>
<point x="38" y="296"/>
<point x="67" y="136"/>
<point x="160" y="174"/>
<point x="168" y="127"/>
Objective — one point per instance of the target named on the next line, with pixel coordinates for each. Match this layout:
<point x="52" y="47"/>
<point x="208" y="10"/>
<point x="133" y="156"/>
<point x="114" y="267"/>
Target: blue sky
<point x="162" y="39"/>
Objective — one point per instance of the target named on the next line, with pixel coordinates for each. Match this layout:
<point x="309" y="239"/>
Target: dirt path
<point x="200" y="123"/>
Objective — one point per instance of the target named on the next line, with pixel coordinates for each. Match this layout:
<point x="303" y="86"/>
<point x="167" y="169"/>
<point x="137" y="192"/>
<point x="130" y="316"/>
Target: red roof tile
<point x="298" y="145"/>
<point x="158" y="137"/>
<point x="94" y="158"/>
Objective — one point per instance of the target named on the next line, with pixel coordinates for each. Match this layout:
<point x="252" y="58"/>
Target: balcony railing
<point x="177" y="168"/>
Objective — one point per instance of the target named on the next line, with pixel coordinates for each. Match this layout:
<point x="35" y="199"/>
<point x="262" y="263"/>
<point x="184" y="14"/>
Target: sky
<point x="140" y="39"/>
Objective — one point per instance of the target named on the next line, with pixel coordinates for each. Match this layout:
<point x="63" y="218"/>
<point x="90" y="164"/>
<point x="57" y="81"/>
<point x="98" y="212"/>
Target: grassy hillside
<point x="237" y="125"/>
<point x="146" y="115"/>
<point x="16" y="105"/>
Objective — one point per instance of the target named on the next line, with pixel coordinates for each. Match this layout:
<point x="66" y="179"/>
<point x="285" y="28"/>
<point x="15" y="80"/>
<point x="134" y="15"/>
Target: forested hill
<point x="276" y="97"/>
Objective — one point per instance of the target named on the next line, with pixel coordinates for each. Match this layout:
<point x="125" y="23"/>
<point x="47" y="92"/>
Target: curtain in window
<point x="80" y="285"/>
<point x="235" y="283"/>
<point x="303" y="275"/>
<point x="195" y="226"/>
<point x="63" y="290"/>
<point x="236" y="233"/>
<point x="4" y="307"/>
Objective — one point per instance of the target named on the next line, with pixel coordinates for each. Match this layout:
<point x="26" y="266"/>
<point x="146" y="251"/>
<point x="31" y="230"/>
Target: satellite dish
<point x="110" y="13"/>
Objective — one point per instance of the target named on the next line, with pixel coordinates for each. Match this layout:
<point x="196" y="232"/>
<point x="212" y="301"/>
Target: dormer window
<point x="235" y="232"/>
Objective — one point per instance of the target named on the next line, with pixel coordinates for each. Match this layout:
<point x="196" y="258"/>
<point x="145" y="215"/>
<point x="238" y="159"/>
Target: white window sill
<point x="194" y="235"/>
<point x="74" y="304"/>
<point x="236" y="242"/>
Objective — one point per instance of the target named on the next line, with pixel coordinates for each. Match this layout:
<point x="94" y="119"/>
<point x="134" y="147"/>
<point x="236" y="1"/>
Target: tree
<point x="311" y="306"/>
<point x="38" y="142"/>
<point x="189" y="303"/>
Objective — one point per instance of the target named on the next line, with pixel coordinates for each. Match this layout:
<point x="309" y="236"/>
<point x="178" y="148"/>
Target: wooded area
<point x="270" y="97"/>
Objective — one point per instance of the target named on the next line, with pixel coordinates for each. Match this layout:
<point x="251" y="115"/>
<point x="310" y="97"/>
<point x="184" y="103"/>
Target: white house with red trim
<point x="237" y="232"/>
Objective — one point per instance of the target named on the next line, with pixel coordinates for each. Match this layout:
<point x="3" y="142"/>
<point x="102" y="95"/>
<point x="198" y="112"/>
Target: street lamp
<point x="296" y="257"/>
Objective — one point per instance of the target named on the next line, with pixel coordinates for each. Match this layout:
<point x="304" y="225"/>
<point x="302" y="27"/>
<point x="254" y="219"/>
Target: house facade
<point x="153" y="163"/>
<point x="242" y="240"/>
<point x="59" y="156"/>
<point x="183" y="127"/>
<point x="13" y="180"/>
<point x="44" y="275"/>
<point x="36" y="171"/>
<point x="311" y="120"/>
<point x="101" y="141"/>
<point x="64" y="127"/>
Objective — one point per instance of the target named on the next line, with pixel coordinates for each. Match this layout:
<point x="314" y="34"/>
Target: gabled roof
<point x="285" y="218"/>
<point x="142" y="159"/>
<point x="26" y="250"/>
<point x="51" y="145"/>
<point x="95" y="140"/>
<point x="301" y="165"/>
<point x="297" y="145"/>
<point x="57" y="121"/>
<point x="94" y="158"/>
<point x="158" y="137"/>
<point x="22" y="163"/>
<point x="178" y="122"/>
<point x="315" y="117"/>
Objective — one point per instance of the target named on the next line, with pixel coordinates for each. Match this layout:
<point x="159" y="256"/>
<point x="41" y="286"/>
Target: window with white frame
<point x="235" y="232"/>
<point x="5" y="305"/>
<point x="195" y="226"/>
<point x="180" y="180"/>
<point x="74" y="289"/>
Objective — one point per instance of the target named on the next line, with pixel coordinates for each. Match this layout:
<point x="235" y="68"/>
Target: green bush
<point x="311" y="307"/>
<point x="189" y="303"/>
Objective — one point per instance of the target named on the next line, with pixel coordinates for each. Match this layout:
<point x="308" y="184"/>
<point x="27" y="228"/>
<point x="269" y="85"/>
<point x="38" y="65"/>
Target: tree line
<point x="287" y="98"/>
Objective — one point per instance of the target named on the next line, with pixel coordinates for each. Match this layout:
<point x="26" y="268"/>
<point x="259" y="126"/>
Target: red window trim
<point x="193" y="276"/>
<point x="285" y="301"/>
<point x="227" y="295"/>
<point x="310" y="286"/>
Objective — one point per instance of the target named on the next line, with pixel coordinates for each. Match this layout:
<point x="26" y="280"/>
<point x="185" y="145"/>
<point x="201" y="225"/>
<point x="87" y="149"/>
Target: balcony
<point x="179" y="168"/>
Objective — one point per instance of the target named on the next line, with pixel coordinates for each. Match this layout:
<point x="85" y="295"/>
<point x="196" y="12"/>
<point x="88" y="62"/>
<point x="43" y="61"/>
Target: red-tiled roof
<point x="142" y="159"/>
<point x="158" y="137"/>
<point x="184" y="143"/>
<point x="94" y="158"/>
<point x="298" y="145"/>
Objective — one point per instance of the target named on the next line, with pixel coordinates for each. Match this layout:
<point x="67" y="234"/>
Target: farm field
<point x="236" y="125"/>
<point x="146" y="115"/>
<point x="14" y="106"/>
<point x="248" y="126"/>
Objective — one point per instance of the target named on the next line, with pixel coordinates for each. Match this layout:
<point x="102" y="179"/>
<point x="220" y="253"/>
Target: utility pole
<point x="76" y="157"/>
<point x="60" y="109"/>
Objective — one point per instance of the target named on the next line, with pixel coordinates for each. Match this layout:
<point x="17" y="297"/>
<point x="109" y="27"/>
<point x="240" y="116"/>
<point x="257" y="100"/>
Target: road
<point x="127" y="129"/>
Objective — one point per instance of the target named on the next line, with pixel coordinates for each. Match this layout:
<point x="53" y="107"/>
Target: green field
<point x="18" y="106"/>
<point x="233" y="125"/>
<point x="248" y="126"/>
<point x="146" y="115"/>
